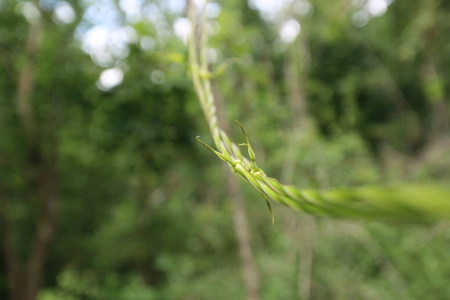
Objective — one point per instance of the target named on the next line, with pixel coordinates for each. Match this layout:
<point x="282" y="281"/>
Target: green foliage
<point x="143" y="210"/>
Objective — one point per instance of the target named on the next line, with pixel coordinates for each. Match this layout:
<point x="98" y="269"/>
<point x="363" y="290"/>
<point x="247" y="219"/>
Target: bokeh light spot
<point x="289" y="30"/>
<point x="110" y="78"/>
<point x="158" y="77"/>
<point x="64" y="13"/>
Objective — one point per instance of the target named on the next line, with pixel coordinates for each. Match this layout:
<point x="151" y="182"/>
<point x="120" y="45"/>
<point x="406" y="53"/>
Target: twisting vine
<point x="401" y="203"/>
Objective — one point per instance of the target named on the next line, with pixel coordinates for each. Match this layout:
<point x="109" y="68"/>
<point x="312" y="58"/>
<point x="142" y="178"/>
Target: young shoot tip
<point x="204" y="144"/>
<point x="220" y="155"/>
<point x="251" y="153"/>
<point x="243" y="130"/>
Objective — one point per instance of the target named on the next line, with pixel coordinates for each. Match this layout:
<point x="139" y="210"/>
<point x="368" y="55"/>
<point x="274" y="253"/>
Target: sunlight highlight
<point x="182" y="28"/>
<point x="289" y="30"/>
<point x="64" y="13"/>
<point x="110" y="78"/>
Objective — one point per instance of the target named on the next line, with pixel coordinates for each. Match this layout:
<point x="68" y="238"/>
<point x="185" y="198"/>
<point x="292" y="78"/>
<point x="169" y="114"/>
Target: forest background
<point x="106" y="194"/>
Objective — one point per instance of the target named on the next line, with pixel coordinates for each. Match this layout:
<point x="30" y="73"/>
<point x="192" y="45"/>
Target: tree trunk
<point x="25" y="275"/>
<point x="296" y="63"/>
<point x="243" y="237"/>
<point x="249" y="273"/>
<point x="296" y="68"/>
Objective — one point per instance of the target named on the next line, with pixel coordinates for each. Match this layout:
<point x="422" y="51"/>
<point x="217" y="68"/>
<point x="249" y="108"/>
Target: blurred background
<point x="106" y="194"/>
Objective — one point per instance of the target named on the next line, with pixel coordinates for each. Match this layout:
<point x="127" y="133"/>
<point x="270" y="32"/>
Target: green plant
<point x="399" y="203"/>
